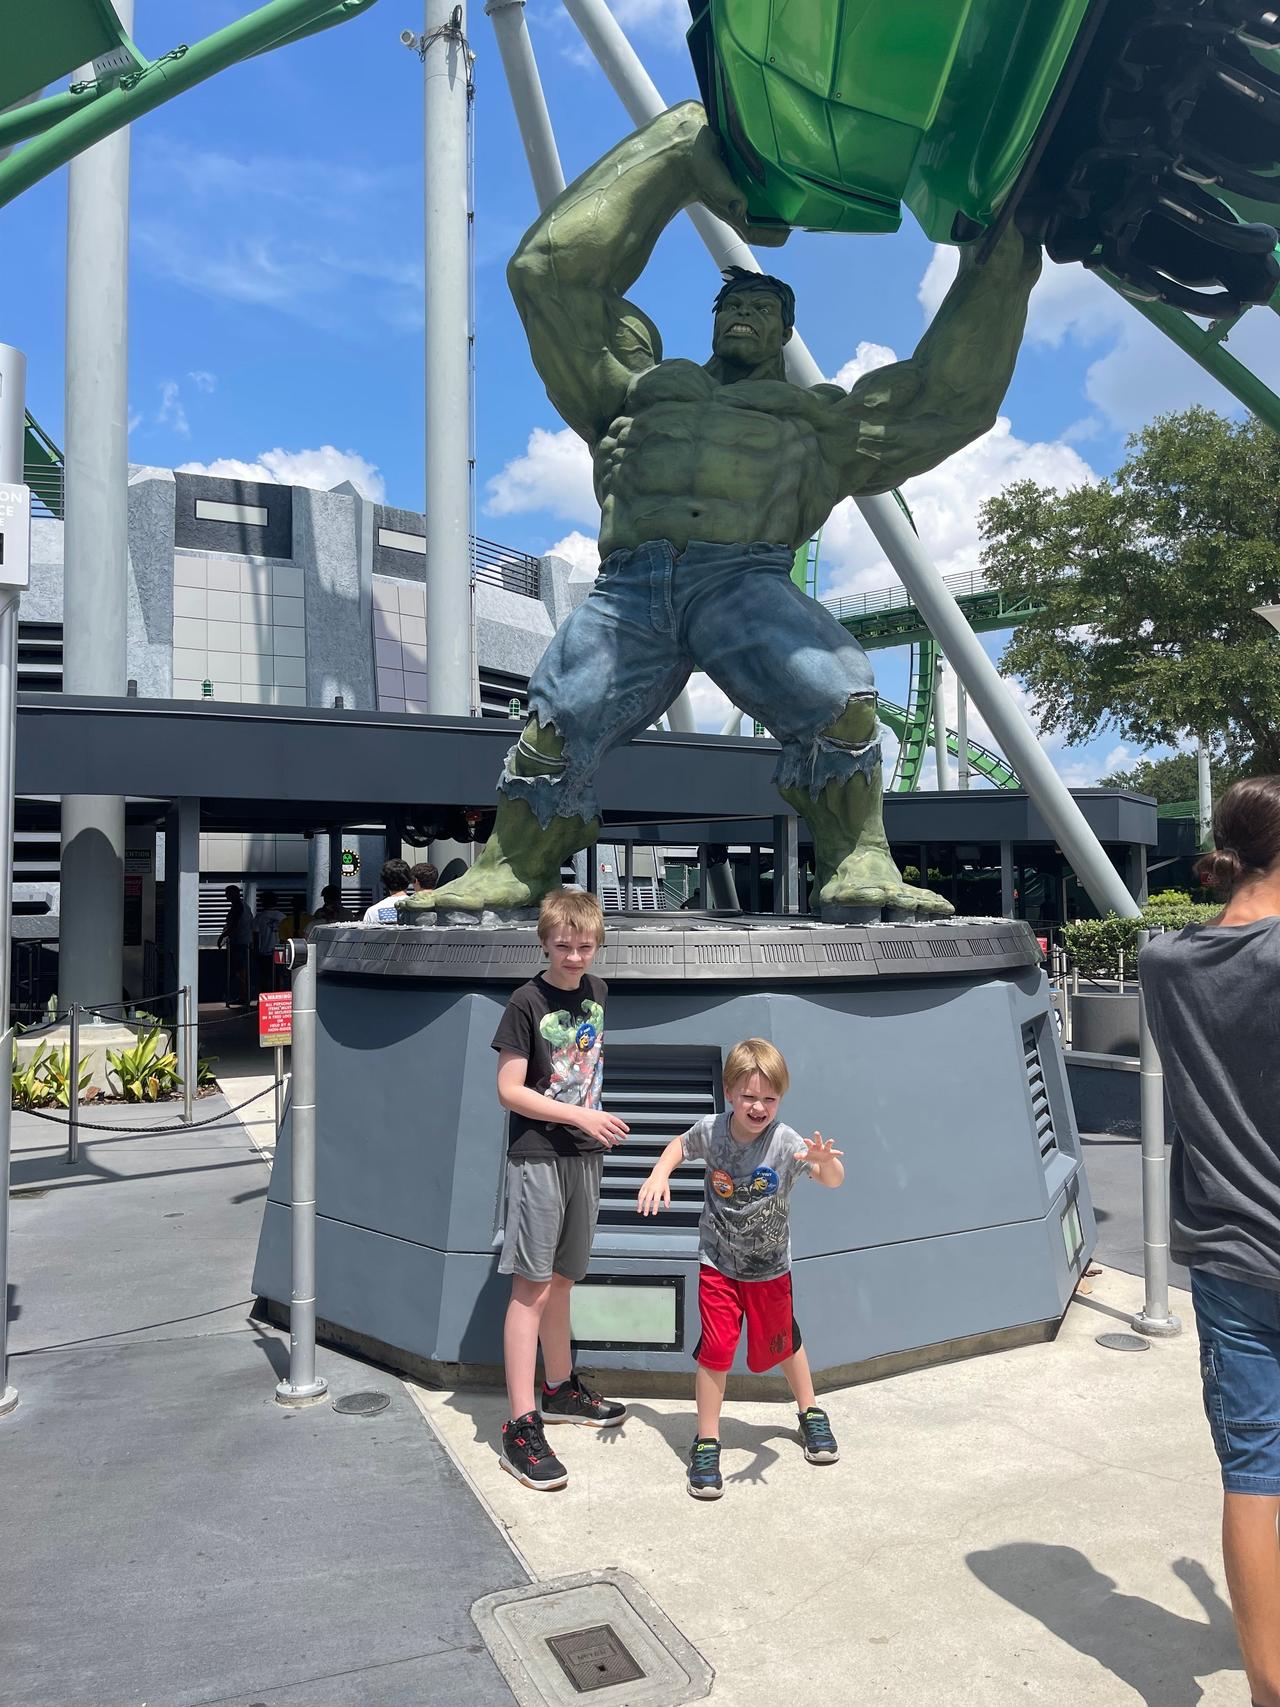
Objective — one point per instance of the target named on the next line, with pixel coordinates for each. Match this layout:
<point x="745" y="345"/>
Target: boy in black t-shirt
<point x="550" y="1066"/>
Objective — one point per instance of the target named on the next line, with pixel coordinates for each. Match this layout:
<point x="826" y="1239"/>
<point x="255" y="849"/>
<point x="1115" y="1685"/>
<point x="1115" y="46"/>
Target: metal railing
<point x="46" y="483"/>
<point x="503" y="566"/>
<point x="898" y="598"/>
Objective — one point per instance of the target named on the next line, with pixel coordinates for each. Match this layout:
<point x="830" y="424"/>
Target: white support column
<point x="13" y="385"/>
<point x="962" y="735"/>
<point x="941" y="765"/>
<point x="446" y="99"/>
<point x="95" y="576"/>
<point x="1204" y="794"/>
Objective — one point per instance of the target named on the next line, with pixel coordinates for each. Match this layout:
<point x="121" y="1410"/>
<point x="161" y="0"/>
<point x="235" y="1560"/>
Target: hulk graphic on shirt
<point x="693" y="459"/>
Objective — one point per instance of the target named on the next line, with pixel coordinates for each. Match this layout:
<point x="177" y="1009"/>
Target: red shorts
<point x="772" y="1334"/>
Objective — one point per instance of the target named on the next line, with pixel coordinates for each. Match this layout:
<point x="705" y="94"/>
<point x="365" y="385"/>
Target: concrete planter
<point x="1104" y="1022"/>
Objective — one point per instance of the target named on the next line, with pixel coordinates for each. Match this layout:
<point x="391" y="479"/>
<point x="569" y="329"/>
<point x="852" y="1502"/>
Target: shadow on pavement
<point x="1160" y="1654"/>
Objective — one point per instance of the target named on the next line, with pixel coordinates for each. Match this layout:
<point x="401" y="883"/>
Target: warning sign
<point x="275" y="1018"/>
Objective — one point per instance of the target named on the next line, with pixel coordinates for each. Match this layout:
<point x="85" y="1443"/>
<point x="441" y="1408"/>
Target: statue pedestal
<point x="928" y="1052"/>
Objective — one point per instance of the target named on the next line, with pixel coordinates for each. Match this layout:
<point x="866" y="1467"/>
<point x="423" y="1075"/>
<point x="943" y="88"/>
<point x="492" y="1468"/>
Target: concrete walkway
<point x="172" y="1536"/>
<point x="1037" y="1526"/>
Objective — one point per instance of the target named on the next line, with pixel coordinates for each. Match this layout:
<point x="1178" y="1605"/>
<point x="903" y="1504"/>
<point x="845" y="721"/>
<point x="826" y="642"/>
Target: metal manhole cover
<point x="1124" y="1342"/>
<point x="361" y="1404"/>
<point x="593" y="1658"/>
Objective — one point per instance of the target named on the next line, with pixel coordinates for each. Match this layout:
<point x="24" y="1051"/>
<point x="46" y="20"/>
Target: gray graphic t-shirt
<point x="745" y="1228"/>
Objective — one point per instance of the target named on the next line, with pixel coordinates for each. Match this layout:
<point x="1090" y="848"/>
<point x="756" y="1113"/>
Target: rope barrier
<point x="145" y="1131"/>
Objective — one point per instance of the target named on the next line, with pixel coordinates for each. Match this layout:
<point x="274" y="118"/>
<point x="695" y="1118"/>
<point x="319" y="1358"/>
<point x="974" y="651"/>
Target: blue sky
<point x="276" y="294"/>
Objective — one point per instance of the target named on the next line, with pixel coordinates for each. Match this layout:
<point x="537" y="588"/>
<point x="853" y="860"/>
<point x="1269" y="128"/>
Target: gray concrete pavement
<point x="172" y="1537"/>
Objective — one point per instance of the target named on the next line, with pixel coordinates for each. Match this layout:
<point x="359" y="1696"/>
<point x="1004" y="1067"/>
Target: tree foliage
<point x="1174" y="778"/>
<point x="1148" y="581"/>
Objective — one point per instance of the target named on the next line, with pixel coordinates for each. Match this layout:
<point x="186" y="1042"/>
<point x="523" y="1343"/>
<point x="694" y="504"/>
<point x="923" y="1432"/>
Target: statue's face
<point x="748" y="327"/>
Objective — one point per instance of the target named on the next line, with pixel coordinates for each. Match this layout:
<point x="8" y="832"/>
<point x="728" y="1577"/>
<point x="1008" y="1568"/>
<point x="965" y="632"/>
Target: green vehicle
<point x="1140" y="136"/>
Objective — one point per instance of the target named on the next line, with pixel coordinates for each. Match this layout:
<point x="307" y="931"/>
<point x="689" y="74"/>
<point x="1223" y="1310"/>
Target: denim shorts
<point x="1239" y="1327"/>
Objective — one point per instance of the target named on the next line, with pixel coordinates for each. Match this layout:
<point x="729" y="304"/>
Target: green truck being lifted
<point x="1141" y="137"/>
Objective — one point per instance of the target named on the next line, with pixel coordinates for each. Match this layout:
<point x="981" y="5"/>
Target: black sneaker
<point x="815" y="1433"/>
<point x="704" y="1470"/>
<point x="527" y="1457"/>
<point x="571" y="1402"/>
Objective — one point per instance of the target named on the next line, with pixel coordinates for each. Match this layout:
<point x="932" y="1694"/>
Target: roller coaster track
<point x="989" y="764"/>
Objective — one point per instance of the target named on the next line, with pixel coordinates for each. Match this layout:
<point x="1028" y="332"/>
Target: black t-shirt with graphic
<point x="560" y="1033"/>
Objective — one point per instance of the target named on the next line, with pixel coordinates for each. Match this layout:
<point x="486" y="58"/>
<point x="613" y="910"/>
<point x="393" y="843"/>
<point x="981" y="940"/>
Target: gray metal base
<point x="929" y="1052"/>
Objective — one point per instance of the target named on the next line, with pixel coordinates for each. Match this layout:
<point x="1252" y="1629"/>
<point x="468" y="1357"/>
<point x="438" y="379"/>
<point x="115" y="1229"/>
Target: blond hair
<point x="756" y="1055"/>
<point x="571" y="910"/>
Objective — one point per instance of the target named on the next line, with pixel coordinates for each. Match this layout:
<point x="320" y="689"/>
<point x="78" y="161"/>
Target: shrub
<point x="1095" y="945"/>
<point x="146" y="1072"/>
<point x="57" y="1076"/>
<point x="30" y="1087"/>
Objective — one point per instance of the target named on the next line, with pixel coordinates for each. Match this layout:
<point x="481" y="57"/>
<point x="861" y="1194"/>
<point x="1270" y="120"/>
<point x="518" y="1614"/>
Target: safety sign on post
<point x="15" y="536"/>
<point x="275" y="1018"/>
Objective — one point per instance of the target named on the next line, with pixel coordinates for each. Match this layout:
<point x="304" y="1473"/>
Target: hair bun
<point x="1221" y="869"/>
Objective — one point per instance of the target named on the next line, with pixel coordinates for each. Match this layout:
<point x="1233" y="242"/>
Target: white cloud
<point x="578" y="549"/>
<point x="322" y="468"/>
<point x="171" y="412"/>
<point x="203" y="380"/>
<point x="945" y="504"/>
<point x="554" y="474"/>
<point x="865" y="359"/>
<point x="654" y="17"/>
<point x="711" y="708"/>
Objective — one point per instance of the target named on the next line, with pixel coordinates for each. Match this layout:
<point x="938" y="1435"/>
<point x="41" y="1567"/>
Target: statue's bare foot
<point x="490" y="886"/>
<point x="869" y="878"/>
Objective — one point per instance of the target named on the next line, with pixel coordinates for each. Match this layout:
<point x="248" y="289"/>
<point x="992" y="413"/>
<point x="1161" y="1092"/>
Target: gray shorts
<point x="552" y="1204"/>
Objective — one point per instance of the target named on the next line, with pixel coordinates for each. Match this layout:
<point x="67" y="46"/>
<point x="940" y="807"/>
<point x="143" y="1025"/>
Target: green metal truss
<point x="46" y="41"/>
<point x="997" y="770"/>
<point x="42" y="467"/>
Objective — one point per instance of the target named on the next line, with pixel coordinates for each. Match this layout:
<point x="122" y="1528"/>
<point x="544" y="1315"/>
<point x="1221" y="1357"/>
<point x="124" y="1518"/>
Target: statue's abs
<point x="692" y="459"/>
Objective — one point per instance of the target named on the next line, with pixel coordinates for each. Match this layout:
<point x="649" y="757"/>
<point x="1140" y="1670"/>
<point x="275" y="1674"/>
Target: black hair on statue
<point x="739" y="278"/>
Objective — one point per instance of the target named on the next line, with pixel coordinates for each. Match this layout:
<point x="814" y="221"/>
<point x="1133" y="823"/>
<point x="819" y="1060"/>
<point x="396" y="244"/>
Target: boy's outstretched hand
<point x="654" y="1194"/>
<point x="823" y="1157"/>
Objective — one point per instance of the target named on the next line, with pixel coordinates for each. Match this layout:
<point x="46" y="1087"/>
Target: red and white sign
<point x="275" y="1018"/>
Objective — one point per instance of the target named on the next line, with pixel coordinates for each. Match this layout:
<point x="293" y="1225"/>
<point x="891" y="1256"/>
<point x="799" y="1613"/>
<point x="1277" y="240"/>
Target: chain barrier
<point x="145" y="1131"/>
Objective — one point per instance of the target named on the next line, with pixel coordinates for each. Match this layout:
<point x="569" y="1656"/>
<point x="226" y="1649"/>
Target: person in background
<point x="330" y="911"/>
<point x="237" y="937"/>
<point x="296" y="922"/>
<point x="424" y="876"/>
<point x="1212" y="993"/>
<point x="395" y="880"/>
<point x="266" y="931"/>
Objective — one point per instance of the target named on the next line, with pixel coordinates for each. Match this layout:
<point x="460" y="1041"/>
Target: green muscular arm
<point x="904" y="419"/>
<point x="570" y="272"/>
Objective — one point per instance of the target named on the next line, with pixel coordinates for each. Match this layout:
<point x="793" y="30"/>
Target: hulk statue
<point x="709" y="478"/>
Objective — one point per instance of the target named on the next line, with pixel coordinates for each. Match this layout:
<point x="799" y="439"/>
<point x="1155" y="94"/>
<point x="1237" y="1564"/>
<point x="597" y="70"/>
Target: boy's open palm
<point x="654" y="1195"/>
<point x="817" y="1150"/>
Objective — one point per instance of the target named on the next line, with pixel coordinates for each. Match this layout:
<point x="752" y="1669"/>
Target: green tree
<point x="1147" y="583"/>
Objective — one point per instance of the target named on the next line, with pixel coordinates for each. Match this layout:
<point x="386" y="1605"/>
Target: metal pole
<point x="190" y="1059"/>
<point x="95" y="577"/>
<point x="73" y="1106"/>
<point x="530" y="103"/>
<point x="279" y="1097"/>
<point x="13" y="386"/>
<point x="446" y="66"/>
<point x="941" y="765"/>
<point x="527" y="98"/>
<point x="908" y="558"/>
<point x="629" y="877"/>
<point x="303" y="1385"/>
<point x="1204" y="795"/>
<point x="963" y="772"/>
<point x="1155" y="1318"/>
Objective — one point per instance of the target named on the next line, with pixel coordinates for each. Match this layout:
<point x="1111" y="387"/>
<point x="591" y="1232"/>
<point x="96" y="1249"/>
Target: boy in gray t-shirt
<point x="744" y="1247"/>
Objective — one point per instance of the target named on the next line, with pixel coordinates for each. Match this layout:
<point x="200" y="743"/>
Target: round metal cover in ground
<point x="362" y="1404"/>
<point x="1124" y="1342"/>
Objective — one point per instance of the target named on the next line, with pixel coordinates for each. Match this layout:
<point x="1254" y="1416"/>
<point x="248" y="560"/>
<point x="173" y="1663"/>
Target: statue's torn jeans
<point x="653" y="616"/>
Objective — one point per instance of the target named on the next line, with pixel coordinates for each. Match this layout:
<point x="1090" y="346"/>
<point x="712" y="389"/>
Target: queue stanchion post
<point x="1155" y="1319"/>
<point x="279" y="1088"/>
<point x="303" y="1386"/>
<point x="73" y="1098"/>
<point x="190" y="1067"/>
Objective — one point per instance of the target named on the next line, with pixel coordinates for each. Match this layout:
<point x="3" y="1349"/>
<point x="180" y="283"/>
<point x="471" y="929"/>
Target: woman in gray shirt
<point x="1213" y="996"/>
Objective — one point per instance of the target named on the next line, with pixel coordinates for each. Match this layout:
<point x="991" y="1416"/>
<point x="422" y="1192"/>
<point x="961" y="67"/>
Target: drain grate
<point x="594" y="1658"/>
<point x="1123" y="1342"/>
<point x="361" y="1404"/>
